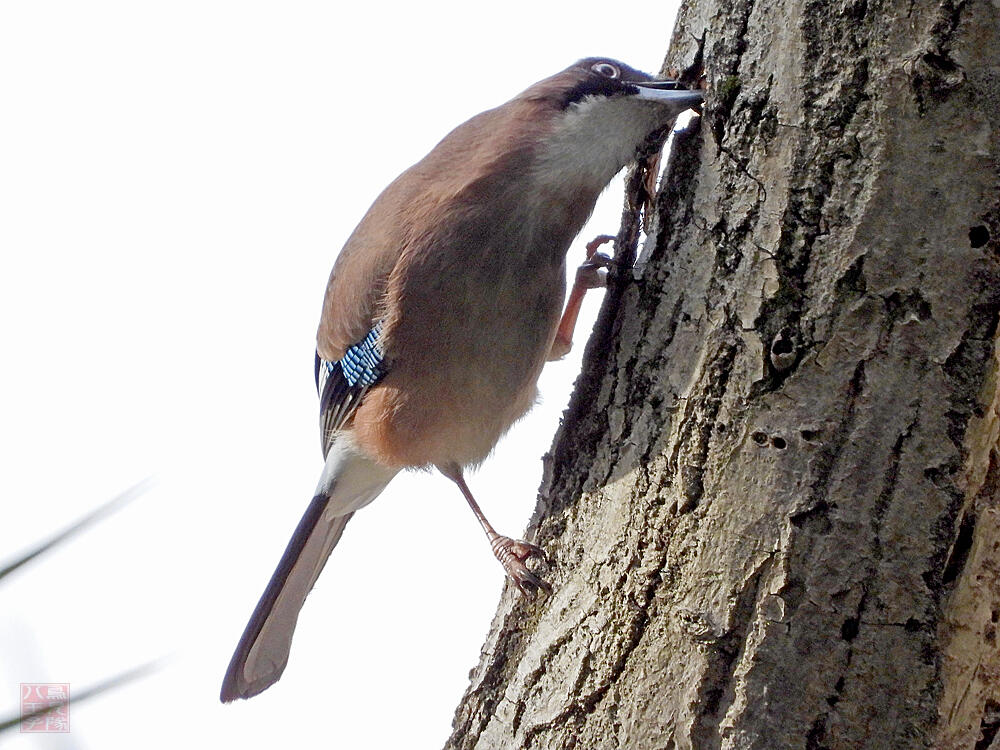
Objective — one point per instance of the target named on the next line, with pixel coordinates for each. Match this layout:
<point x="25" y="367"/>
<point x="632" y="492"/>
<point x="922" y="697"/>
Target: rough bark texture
<point x="772" y="510"/>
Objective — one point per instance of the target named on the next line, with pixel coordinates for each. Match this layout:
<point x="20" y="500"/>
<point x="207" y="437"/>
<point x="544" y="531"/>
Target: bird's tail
<point x="349" y="481"/>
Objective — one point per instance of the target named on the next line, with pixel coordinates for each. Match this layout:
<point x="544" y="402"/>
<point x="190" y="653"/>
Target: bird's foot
<point x="512" y="554"/>
<point x="593" y="273"/>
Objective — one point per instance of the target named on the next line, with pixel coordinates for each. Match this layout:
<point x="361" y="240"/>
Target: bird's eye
<point x="605" y="69"/>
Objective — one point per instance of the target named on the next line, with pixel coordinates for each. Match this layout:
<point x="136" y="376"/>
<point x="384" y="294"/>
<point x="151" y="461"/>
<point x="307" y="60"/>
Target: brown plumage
<point x="459" y="267"/>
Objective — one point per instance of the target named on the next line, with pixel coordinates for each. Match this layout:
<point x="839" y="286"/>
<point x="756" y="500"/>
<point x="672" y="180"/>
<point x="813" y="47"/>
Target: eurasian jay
<point x="443" y="307"/>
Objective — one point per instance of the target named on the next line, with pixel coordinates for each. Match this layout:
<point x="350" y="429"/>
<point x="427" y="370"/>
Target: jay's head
<point x="601" y="111"/>
<point x="594" y="79"/>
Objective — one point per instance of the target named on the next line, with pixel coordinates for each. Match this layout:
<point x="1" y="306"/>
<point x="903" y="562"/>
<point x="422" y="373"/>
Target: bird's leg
<point x="591" y="275"/>
<point x="512" y="553"/>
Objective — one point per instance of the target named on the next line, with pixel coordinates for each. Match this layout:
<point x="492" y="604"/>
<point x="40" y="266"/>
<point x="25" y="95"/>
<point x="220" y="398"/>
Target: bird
<point x="442" y="308"/>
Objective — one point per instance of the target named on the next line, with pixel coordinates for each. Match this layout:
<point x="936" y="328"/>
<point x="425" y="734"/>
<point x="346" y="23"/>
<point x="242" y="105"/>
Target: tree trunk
<point x="772" y="509"/>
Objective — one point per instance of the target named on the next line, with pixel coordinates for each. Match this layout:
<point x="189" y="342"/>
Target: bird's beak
<point x="667" y="92"/>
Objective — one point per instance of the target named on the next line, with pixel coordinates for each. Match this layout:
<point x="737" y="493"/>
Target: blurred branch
<point x="105" y="510"/>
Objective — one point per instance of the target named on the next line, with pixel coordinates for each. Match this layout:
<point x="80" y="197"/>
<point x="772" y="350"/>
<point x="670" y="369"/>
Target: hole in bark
<point x="712" y="700"/>
<point x="779" y="443"/>
<point x="759" y="437"/>
<point x="940" y="476"/>
<point x="939" y="62"/>
<point x="852" y="282"/>
<point x="692" y="487"/>
<point x="816" y="734"/>
<point x="792" y="594"/>
<point x="912" y="625"/>
<point x="960" y="550"/>
<point x="989" y="725"/>
<point x="783" y="350"/>
<point x="809" y="435"/>
<point x="858" y="10"/>
<point x="930" y="578"/>
<point x="721" y="427"/>
<point x="929" y="654"/>
<point x="995" y="616"/>
<point x="838" y="688"/>
<point x="849" y="630"/>
<point x="978" y="236"/>
<point x="815" y="520"/>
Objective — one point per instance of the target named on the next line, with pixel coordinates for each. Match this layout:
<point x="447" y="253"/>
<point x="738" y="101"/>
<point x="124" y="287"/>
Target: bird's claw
<point x="593" y="274"/>
<point x="601" y="239"/>
<point x="522" y="550"/>
<point x="512" y="554"/>
<point x="526" y="581"/>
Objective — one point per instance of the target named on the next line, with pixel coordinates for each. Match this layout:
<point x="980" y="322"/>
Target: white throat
<point x="595" y="139"/>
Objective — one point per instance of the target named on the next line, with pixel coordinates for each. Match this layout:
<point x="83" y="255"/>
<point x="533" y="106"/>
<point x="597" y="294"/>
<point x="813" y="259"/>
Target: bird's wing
<point x="349" y="481"/>
<point x="342" y="384"/>
<point x="355" y="292"/>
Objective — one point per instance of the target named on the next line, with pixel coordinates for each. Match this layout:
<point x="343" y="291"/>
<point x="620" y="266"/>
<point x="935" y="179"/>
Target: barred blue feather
<point x="362" y="363"/>
<point x="343" y="383"/>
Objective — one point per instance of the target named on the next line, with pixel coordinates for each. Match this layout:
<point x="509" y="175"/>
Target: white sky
<point x="175" y="181"/>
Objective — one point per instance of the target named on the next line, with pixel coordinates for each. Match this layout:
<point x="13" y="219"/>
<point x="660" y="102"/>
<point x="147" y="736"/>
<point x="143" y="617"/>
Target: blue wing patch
<point x="342" y="384"/>
<point x="362" y="363"/>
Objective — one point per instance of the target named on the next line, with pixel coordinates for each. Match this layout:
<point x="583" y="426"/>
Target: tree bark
<point x="772" y="509"/>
